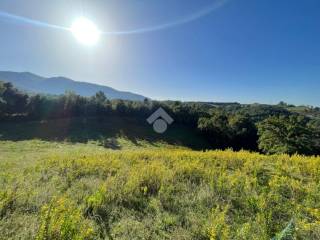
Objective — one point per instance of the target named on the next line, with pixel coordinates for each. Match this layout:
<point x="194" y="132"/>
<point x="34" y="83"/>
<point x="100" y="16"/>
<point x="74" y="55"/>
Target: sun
<point x="85" y="31"/>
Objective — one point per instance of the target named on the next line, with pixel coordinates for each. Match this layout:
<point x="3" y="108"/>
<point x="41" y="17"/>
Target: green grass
<point x="64" y="190"/>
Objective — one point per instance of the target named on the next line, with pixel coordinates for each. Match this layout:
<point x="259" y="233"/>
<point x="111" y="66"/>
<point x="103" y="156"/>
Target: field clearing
<point x="53" y="190"/>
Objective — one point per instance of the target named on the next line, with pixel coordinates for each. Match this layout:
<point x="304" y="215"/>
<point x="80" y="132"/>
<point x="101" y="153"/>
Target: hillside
<point x="82" y="191"/>
<point x="58" y="85"/>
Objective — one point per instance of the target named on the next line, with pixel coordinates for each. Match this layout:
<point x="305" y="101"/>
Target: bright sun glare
<point x="85" y="31"/>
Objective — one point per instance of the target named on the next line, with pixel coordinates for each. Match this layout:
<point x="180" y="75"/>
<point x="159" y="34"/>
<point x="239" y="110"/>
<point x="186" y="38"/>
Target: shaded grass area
<point x="104" y="131"/>
<point x="55" y="190"/>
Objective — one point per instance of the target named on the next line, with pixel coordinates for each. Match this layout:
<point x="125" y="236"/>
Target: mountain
<point x="58" y="85"/>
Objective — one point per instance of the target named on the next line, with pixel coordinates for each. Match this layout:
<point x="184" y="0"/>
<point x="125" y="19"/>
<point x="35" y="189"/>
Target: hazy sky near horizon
<point x="245" y="50"/>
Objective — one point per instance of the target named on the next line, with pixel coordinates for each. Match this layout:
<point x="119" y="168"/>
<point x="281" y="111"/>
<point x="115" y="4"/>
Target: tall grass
<point x="160" y="194"/>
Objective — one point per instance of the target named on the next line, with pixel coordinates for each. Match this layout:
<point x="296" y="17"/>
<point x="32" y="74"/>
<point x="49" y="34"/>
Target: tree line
<point x="267" y="128"/>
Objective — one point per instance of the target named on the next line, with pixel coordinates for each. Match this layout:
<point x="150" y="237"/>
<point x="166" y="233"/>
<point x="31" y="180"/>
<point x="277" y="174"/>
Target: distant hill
<point x="58" y="85"/>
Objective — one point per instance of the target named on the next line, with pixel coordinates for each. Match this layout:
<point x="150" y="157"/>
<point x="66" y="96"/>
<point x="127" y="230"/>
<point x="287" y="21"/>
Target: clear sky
<point x="243" y="50"/>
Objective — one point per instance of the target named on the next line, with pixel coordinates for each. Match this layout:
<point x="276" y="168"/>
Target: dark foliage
<point x="278" y="128"/>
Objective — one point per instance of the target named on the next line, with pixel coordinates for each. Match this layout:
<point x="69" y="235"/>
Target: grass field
<point x="63" y="190"/>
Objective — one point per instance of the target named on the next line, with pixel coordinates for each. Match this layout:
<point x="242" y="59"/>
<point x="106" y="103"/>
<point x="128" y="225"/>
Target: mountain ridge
<point x="34" y="83"/>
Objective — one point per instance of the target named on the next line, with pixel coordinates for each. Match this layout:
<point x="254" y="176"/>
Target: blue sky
<point x="246" y="50"/>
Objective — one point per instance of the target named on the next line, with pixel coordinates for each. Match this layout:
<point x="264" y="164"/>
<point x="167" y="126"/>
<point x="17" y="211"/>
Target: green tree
<point x="216" y="128"/>
<point x="100" y="97"/>
<point x="2" y="106"/>
<point x="315" y="128"/>
<point x="244" y="132"/>
<point x="12" y="101"/>
<point x="285" y="134"/>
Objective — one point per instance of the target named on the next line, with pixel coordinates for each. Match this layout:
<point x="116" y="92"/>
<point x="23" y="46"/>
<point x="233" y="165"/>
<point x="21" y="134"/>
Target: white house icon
<point x="160" y="120"/>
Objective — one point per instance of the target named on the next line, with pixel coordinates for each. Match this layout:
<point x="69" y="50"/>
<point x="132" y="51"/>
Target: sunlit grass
<point x="51" y="190"/>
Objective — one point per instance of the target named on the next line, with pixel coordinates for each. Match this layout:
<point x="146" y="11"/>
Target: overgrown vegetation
<point x="82" y="191"/>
